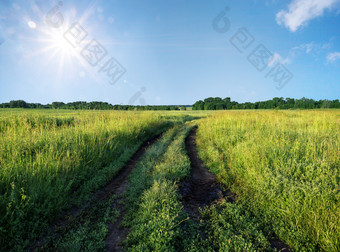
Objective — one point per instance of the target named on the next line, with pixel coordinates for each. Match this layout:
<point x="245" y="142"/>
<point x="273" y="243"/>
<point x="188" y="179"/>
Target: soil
<point x="117" y="186"/>
<point x="279" y="245"/>
<point x="117" y="233"/>
<point x="201" y="189"/>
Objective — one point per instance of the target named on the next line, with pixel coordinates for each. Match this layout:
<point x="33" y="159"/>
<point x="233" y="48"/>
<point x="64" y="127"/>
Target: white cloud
<point x="309" y="47"/>
<point x="301" y="11"/>
<point x="277" y="58"/>
<point x="334" y="56"/>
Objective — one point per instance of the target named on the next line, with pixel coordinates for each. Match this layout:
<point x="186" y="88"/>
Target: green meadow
<point x="282" y="166"/>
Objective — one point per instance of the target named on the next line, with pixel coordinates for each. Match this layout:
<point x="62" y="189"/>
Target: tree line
<point x="211" y="103"/>
<point x="82" y="105"/>
<point x="217" y="103"/>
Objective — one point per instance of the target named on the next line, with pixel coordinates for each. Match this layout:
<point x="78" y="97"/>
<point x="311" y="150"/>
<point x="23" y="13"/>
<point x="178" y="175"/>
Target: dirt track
<point x="117" y="186"/>
<point x="117" y="233"/>
<point x="201" y="188"/>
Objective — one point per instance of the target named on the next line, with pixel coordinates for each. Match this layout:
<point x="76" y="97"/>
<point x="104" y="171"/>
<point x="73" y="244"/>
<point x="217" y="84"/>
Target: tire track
<point x="117" y="233"/>
<point x="201" y="189"/>
<point x="116" y="186"/>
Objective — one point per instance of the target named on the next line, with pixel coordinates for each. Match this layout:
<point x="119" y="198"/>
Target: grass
<point x="230" y="227"/>
<point x="157" y="219"/>
<point x="155" y="211"/>
<point x="284" y="165"/>
<point x="49" y="162"/>
<point x="87" y="232"/>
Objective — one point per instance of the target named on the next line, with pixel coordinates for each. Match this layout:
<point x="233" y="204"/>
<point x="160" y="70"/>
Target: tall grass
<point x="50" y="161"/>
<point x="156" y="218"/>
<point x="285" y="166"/>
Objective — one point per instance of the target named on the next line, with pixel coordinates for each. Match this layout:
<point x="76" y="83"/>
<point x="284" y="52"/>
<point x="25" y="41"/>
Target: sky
<point x="171" y="52"/>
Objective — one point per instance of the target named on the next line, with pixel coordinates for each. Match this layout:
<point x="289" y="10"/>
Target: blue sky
<point x="168" y="52"/>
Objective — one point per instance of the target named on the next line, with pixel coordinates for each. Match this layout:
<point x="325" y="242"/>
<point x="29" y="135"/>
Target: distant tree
<point x="199" y="105"/>
<point x="209" y="106"/>
<point x="5" y="105"/>
<point x="57" y="105"/>
<point x="18" y="104"/>
<point x="227" y="103"/>
<point x="220" y="106"/>
<point x="211" y="103"/>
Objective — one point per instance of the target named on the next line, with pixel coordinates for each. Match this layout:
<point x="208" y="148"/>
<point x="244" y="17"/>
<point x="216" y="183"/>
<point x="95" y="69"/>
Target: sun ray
<point x="56" y="49"/>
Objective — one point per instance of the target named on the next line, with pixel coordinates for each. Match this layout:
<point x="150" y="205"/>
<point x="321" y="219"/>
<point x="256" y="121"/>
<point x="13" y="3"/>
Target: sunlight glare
<point x="32" y="25"/>
<point x="59" y="43"/>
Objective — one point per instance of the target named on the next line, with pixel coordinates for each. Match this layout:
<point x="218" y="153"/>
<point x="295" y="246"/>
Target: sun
<point x="60" y="46"/>
<point x="54" y="47"/>
<point x="59" y="43"/>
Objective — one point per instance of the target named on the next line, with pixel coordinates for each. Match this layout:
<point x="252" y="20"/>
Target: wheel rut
<point x="201" y="189"/>
<point x="117" y="187"/>
<point x="117" y="233"/>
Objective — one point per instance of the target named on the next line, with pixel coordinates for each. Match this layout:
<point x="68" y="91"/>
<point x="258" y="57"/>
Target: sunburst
<point x="53" y="44"/>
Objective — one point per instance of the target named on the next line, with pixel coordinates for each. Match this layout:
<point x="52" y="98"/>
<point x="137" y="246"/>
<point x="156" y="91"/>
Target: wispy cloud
<point x="301" y="11"/>
<point x="334" y="56"/>
<point x="312" y="49"/>
<point x="277" y="58"/>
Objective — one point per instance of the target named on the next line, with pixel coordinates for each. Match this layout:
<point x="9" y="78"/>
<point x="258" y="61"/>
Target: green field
<point x="282" y="166"/>
<point x="285" y="166"/>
